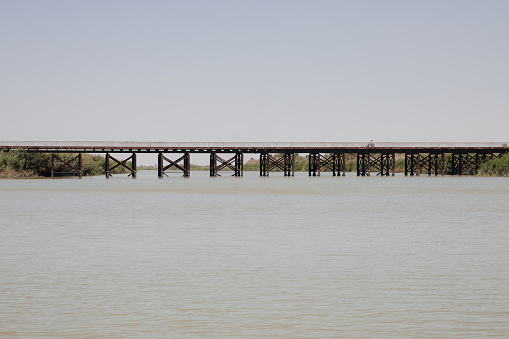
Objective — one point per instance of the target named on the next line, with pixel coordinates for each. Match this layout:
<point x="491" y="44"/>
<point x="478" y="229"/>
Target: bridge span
<point x="371" y="157"/>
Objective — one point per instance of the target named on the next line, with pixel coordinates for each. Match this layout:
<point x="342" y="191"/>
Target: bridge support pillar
<point x="121" y="163"/>
<point x="469" y="163"/>
<point x="412" y="164"/>
<point x="264" y="165"/>
<point x="455" y="164"/>
<point x="213" y="165"/>
<point x="313" y="160"/>
<point x="432" y="163"/>
<point x="181" y="164"/>
<point x="285" y="164"/>
<point x="71" y="166"/>
<point x="339" y="164"/>
<point x="236" y="164"/>
<point x="460" y="164"/>
<point x="334" y="162"/>
<point x="384" y="164"/>
<point x="363" y="164"/>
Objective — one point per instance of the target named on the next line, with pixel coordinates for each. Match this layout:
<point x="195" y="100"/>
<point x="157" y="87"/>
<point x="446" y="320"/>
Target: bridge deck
<point x="249" y="147"/>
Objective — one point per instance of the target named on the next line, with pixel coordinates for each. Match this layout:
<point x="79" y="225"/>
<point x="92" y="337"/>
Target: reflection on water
<point x="320" y="257"/>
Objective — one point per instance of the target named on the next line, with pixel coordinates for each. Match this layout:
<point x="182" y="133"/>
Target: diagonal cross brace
<point x="278" y="163"/>
<point x="286" y="164"/>
<point x="122" y="163"/>
<point x="235" y="164"/>
<point x="185" y="168"/>
<point x="174" y="163"/>
<point x="66" y="163"/>
<point x="230" y="163"/>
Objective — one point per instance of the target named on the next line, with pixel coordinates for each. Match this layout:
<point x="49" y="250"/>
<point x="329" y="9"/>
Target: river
<point x="251" y="257"/>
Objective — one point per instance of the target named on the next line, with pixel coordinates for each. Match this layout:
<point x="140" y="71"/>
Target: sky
<point x="254" y="70"/>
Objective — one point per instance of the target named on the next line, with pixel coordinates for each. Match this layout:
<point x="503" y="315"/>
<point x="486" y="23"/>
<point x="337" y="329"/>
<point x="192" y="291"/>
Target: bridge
<point x="371" y="157"/>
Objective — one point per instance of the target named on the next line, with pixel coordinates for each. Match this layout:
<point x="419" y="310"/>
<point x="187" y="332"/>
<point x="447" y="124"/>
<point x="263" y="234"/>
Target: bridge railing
<point x="233" y="145"/>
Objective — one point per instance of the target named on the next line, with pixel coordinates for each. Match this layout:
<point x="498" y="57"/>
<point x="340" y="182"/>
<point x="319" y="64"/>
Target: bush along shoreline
<point x="22" y="164"/>
<point x="495" y="167"/>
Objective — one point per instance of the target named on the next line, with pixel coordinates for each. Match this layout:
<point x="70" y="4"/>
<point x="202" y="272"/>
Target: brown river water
<point x="251" y="257"/>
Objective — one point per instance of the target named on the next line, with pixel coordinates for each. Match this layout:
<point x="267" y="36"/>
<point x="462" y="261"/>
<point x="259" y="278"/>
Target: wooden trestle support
<point x="468" y="163"/>
<point x="429" y="158"/>
<point x="428" y="163"/>
<point x="435" y="163"/>
<point x="334" y="162"/>
<point x="121" y="163"/>
<point x="285" y="163"/>
<point x="185" y="167"/>
<point x="383" y="164"/>
<point x="72" y="166"/>
<point x="235" y="163"/>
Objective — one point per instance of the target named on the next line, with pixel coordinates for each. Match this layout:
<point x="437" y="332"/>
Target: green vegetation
<point x="22" y="164"/>
<point x="147" y="168"/>
<point x="496" y="167"/>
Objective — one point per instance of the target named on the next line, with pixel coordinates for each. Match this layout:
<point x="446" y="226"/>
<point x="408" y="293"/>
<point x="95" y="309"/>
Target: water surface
<point x="251" y="257"/>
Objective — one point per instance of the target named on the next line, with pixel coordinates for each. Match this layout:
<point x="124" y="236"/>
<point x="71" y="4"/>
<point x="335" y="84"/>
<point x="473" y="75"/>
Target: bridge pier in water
<point x="425" y="163"/>
<point x="121" y="163"/>
<point x="461" y="163"/>
<point x="363" y="164"/>
<point x="383" y="164"/>
<point x="468" y="163"/>
<point x="432" y="163"/>
<point x="313" y="159"/>
<point x="235" y="163"/>
<point x="412" y="164"/>
<point x="285" y="163"/>
<point x="181" y="164"/>
<point x="333" y="162"/>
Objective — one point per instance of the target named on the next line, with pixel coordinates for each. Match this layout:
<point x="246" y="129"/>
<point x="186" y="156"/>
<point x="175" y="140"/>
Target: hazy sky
<point x="254" y="70"/>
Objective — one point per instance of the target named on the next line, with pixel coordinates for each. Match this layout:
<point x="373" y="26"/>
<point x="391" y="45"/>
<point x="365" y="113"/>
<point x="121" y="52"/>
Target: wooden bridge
<point x="372" y="157"/>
